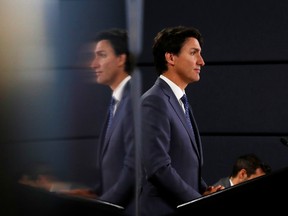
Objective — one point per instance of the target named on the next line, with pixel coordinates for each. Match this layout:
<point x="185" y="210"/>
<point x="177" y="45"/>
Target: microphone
<point x="284" y="141"/>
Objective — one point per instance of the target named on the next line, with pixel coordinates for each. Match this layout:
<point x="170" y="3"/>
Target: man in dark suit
<point x="172" y="151"/>
<point x="246" y="167"/>
<point x="113" y="65"/>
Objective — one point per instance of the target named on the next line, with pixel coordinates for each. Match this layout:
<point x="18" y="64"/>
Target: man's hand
<point x="213" y="189"/>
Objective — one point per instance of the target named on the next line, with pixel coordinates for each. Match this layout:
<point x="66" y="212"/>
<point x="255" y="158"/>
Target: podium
<point x="267" y="192"/>
<point x="34" y="201"/>
<point x="263" y="193"/>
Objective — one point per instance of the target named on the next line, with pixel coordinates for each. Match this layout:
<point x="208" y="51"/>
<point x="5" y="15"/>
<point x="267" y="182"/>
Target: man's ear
<point x="242" y="174"/>
<point x="169" y="58"/>
<point x="122" y="59"/>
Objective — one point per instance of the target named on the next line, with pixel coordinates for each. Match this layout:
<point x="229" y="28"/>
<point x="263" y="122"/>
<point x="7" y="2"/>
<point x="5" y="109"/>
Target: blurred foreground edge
<point x="34" y="201"/>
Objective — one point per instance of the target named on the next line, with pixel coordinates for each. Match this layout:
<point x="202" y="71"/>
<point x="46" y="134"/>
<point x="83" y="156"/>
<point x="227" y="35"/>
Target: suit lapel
<point x="179" y="111"/>
<point x="116" y="118"/>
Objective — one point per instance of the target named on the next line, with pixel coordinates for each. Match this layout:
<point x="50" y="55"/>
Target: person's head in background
<point x="112" y="61"/>
<point x="247" y="167"/>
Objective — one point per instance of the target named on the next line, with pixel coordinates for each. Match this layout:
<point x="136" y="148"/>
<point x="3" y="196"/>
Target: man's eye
<point x="102" y="55"/>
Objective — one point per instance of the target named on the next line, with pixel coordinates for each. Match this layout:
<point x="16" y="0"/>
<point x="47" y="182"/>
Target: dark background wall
<point x="240" y="103"/>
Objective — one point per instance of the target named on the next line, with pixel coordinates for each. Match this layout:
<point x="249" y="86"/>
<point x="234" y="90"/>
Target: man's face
<point x="258" y="172"/>
<point x="189" y="61"/>
<point x="106" y="63"/>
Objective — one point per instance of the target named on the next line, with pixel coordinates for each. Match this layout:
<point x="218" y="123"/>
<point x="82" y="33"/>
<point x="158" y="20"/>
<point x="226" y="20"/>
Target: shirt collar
<point x="176" y="89"/>
<point x="118" y="91"/>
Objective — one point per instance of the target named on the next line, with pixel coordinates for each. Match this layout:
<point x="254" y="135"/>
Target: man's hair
<point x="249" y="162"/>
<point x="171" y="40"/>
<point x="118" y="39"/>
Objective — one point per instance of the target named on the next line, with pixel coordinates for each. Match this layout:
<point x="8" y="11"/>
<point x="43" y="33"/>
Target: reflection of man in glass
<point x="113" y="65"/>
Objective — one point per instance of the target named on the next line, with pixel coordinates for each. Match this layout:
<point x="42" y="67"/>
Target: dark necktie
<point x="186" y="106"/>
<point x="111" y="113"/>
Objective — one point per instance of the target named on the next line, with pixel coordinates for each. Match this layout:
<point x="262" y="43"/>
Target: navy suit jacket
<point x="172" y="156"/>
<point x="115" y="159"/>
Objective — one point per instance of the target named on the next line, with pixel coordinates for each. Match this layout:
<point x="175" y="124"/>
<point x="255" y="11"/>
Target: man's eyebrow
<point x="195" y="49"/>
<point x="100" y="51"/>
